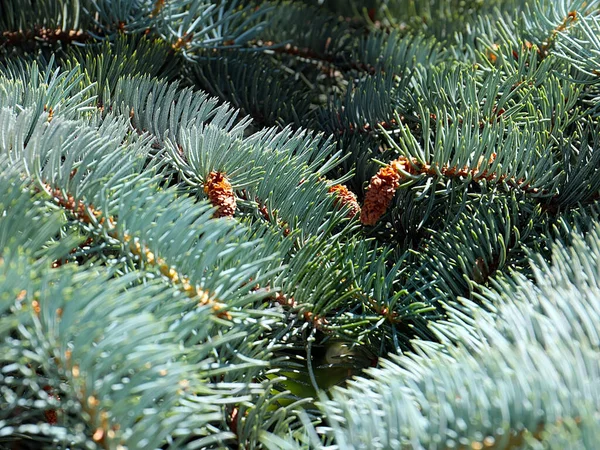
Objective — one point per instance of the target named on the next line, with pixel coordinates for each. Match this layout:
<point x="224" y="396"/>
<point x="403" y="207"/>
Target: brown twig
<point x="42" y="34"/>
<point x="308" y="54"/>
<point x="265" y="214"/>
<point x="289" y="302"/>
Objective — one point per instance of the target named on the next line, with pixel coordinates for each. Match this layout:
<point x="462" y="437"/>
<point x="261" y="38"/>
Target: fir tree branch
<point x="326" y="59"/>
<point x="567" y="22"/>
<point x="384" y="184"/>
<point x="317" y="322"/>
<point x="85" y="213"/>
<point x="34" y="36"/>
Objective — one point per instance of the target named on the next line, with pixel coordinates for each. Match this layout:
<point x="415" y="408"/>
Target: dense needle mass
<point x="332" y="224"/>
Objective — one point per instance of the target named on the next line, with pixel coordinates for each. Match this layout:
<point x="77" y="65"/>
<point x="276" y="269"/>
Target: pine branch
<point x="384" y="184"/>
<point x="46" y="35"/>
<point x="89" y="216"/>
<point x="567" y="22"/>
<point x="504" y="355"/>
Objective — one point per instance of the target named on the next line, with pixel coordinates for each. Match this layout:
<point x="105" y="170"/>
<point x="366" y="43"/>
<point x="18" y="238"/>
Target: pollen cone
<point x="345" y="197"/>
<point x="220" y="193"/>
<point x="381" y="191"/>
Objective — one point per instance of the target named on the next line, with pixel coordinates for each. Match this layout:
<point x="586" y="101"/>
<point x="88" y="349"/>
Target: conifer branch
<point x="44" y="35"/>
<point x="305" y="53"/>
<point x="87" y="214"/>
<point x="265" y="214"/>
<point x="383" y="185"/>
<point x="454" y="83"/>
<point x="567" y="22"/>
<point x="288" y="302"/>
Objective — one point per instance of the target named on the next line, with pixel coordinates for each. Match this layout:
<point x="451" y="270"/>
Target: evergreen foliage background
<point x="310" y="224"/>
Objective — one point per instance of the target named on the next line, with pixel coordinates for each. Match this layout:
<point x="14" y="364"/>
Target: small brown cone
<point x="220" y="193"/>
<point x="381" y="191"/>
<point x="51" y="415"/>
<point x="345" y="197"/>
